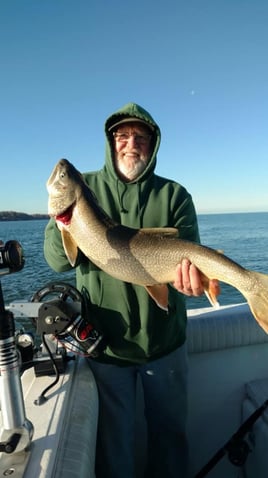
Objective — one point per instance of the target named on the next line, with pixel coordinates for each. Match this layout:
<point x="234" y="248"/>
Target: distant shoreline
<point x="20" y="216"/>
<point x="23" y="216"/>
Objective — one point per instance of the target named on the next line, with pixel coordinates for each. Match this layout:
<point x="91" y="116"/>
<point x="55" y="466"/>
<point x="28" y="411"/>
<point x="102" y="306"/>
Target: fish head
<point x="64" y="188"/>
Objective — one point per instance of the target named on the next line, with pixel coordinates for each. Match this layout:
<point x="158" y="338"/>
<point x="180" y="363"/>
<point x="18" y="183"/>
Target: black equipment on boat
<point x="11" y="257"/>
<point x="64" y="314"/>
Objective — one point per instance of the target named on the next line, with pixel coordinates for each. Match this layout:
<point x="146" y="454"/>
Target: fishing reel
<point x="61" y="313"/>
<point x="11" y="257"/>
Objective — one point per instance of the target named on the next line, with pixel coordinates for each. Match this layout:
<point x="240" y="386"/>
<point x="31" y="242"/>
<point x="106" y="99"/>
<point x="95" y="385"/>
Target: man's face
<point x="132" y="149"/>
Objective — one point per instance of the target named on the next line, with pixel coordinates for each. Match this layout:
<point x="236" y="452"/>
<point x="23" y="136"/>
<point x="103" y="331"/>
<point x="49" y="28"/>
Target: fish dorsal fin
<point x="166" y="231"/>
<point x="70" y="247"/>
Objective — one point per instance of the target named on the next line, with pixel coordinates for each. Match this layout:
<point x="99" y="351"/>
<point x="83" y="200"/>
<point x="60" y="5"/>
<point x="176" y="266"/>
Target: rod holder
<point x="14" y="421"/>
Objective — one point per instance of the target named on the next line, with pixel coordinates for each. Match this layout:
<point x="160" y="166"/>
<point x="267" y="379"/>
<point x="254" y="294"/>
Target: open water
<point x="242" y="237"/>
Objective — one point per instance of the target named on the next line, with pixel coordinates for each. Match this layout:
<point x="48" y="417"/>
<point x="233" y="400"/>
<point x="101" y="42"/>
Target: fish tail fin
<point x="257" y="298"/>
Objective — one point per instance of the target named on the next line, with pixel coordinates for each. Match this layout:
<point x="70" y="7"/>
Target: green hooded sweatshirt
<point x="135" y="328"/>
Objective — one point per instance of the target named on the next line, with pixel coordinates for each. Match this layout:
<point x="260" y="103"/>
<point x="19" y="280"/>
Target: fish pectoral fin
<point x="70" y="247"/>
<point x="165" y="231"/>
<point x="159" y="293"/>
<point x="212" y="289"/>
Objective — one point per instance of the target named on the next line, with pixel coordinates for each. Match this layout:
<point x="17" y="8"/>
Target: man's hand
<point x="188" y="279"/>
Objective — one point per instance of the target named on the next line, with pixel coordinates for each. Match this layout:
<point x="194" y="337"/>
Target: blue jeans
<point x="164" y="384"/>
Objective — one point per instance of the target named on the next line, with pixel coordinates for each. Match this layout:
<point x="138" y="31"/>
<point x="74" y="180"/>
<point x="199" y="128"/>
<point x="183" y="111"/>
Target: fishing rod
<point x="236" y="447"/>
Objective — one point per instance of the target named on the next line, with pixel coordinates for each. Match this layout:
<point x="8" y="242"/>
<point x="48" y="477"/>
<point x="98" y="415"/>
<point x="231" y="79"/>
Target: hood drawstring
<point x="123" y="210"/>
<point x="139" y="203"/>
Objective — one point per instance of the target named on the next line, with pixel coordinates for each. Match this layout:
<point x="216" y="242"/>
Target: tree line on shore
<point x="20" y="216"/>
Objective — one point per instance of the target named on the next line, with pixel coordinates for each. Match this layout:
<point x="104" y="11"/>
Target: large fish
<point x="147" y="257"/>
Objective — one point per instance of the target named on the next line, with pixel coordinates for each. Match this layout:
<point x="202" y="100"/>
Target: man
<point x="142" y="339"/>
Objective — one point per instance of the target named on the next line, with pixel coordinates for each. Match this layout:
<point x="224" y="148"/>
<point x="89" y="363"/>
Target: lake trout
<point x="146" y="257"/>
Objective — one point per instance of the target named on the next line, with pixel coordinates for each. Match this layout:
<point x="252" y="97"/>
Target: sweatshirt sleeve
<point x="184" y="216"/>
<point x="53" y="249"/>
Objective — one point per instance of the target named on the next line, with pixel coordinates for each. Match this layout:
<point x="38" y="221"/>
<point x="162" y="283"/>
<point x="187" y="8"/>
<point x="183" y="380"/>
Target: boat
<point x="48" y="425"/>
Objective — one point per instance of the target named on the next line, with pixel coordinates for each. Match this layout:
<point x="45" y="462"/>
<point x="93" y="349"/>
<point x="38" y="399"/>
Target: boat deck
<point x="228" y="380"/>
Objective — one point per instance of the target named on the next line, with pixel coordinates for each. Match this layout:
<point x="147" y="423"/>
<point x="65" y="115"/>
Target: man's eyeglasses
<point x="139" y="138"/>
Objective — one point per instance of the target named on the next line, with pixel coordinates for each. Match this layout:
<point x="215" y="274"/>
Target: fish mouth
<point x="65" y="217"/>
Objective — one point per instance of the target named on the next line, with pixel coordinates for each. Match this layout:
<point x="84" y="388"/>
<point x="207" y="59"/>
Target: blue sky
<point x="198" y="66"/>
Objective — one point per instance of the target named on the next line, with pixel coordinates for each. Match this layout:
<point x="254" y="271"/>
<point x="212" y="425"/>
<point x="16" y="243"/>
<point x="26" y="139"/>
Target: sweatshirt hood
<point x="131" y="112"/>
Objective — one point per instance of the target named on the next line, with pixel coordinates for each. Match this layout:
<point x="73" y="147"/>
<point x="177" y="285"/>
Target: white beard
<point x="131" y="171"/>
